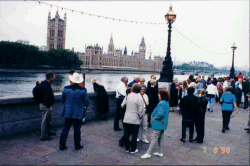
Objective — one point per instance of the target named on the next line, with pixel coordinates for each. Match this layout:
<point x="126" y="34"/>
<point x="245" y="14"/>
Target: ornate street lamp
<point x="232" y="68"/>
<point x="166" y="75"/>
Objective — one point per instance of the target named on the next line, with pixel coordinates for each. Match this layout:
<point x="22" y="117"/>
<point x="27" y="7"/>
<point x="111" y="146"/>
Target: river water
<point x="13" y="84"/>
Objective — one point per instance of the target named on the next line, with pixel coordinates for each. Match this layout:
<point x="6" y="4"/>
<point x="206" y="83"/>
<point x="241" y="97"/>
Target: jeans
<point x="157" y="136"/>
<point x="65" y="132"/>
<point x="189" y="124"/>
<point x="226" y="118"/>
<point x="130" y="129"/>
<point x="46" y="120"/>
<point x="210" y="103"/>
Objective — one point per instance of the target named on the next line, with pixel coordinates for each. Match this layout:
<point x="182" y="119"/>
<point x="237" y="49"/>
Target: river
<point x="14" y="84"/>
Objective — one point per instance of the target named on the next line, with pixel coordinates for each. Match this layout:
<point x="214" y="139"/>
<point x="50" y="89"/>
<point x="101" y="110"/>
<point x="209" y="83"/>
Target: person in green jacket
<point x="159" y="124"/>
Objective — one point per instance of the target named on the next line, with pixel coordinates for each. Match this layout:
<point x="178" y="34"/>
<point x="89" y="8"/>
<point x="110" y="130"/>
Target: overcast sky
<point x="213" y="25"/>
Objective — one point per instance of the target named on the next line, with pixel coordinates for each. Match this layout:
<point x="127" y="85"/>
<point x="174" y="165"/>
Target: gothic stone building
<point x="94" y="58"/>
<point x="56" y="32"/>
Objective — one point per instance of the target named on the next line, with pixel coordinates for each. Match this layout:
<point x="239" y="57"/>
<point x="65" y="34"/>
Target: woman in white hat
<point x="75" y="100"/>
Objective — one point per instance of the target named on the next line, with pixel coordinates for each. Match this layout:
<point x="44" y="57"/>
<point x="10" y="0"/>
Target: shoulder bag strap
<point x="143" y="99"/>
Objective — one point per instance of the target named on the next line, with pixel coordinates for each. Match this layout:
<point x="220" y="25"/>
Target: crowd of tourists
<point x="141" y="106"/>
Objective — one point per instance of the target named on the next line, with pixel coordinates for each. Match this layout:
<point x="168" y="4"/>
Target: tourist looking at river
<point x="159" y="124"/>
<point x="132" y="118"/>
<point x="75" y="100"/>
<point x="46" y="106"/>
<point x="102" y="99"/>
<point x="136" y="80"/>
<point x="120" y="95"/>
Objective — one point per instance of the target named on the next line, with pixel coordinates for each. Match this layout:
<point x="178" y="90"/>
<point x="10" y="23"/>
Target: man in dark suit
<point x="189" y="107"/>
<point x="45" y="107"/>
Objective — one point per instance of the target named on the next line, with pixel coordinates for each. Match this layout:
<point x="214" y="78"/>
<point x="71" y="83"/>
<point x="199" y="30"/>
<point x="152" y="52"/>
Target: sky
<point x="212" y="25"/>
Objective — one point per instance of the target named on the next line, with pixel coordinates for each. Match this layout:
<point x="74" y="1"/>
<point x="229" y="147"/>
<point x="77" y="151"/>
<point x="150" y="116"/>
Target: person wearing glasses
<point x="142" y="135"/>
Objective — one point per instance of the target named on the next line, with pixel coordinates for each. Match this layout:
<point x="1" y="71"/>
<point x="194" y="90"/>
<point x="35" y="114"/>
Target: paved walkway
<point x="101" y="145"/>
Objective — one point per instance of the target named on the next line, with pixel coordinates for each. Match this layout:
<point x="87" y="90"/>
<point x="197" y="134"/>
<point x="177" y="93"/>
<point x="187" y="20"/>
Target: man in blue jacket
<point x="75" y="100"/>
<point x="136" y="80"/>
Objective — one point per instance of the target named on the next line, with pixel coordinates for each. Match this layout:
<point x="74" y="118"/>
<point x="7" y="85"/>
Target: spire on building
<point x="111" y="39"/>
<point x="125" y="50"/>
<point x="142" y="41"/>
<point x="49" y="16"/>
<point x="65" y="15"/>
<point x="57" y="15"/>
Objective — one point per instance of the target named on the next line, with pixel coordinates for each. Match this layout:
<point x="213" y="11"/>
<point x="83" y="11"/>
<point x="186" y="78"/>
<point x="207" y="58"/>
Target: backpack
<point x="37" y="93"/>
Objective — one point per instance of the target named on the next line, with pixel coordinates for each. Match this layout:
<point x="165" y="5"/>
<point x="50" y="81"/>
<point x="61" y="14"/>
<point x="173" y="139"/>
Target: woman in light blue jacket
<point x="159" y="124"/>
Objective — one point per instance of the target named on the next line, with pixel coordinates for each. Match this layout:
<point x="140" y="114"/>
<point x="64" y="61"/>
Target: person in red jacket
<point x="220" y="88"/>
<point x="239" y="76"/>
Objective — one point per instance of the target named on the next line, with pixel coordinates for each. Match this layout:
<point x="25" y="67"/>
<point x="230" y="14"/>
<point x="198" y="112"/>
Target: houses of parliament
<point x="94" y="56"/>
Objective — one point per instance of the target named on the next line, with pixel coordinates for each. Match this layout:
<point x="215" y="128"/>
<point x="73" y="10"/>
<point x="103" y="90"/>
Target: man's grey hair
<point x="124" y="78"/>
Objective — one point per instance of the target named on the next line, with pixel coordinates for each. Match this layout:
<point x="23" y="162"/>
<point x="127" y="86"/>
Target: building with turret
<point x="116" y="58"/>
<point x="56" y="32"/>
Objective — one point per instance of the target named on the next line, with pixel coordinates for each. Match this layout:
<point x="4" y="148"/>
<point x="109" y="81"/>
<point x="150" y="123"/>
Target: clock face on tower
<point x="141" y="47"/>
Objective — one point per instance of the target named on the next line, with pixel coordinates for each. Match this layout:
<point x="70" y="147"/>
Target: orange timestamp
<point x="216" y="150"/>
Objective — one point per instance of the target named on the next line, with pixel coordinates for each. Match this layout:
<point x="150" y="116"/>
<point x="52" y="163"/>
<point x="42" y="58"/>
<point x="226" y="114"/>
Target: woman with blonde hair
<point x="102" y="99"/>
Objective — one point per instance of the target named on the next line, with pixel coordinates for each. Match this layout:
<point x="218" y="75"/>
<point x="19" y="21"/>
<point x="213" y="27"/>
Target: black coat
<point x="102" y="98"/>
<point x="246" y="87"/>
<point x="149" y="85"/>
<point x="153" y="98"/>
<point x="173" y="96"/>
<point x="47" y="93"/>
<point x="202" y="104"/>
<point x="189" y="107"/>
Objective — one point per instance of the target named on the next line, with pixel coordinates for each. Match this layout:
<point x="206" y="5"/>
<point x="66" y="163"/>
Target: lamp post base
<point x="164" y="85"/>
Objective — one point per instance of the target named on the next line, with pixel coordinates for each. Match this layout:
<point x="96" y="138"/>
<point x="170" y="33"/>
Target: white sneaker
<point x="138" y="140"/>
<point x="145" y="141"/>
<point x="127" y="151"/>
<point x="146" y="156"/>
<point x="134" y="151"/>
<point x="158" y="154"/>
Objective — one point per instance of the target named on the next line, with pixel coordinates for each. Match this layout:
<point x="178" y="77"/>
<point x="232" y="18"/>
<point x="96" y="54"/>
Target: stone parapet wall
<point x="22" y="114"/>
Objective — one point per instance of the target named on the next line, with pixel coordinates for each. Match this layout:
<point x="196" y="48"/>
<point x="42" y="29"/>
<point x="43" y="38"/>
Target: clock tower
<point x="142" y="49"/>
